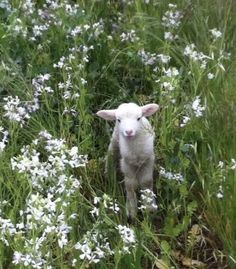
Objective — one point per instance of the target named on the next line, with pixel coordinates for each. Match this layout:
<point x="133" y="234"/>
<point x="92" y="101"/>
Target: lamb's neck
<point x="139" y="143"/>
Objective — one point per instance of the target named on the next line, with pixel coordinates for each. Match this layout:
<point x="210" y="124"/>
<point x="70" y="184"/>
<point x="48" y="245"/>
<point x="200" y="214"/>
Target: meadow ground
<point x="62" y="61"/>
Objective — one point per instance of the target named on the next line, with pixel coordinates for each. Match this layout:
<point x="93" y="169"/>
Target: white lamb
<point x="133" y="139"/>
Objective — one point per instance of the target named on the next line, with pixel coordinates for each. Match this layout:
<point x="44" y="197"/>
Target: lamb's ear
<point x="149" y="109"/>
<point x="107" y="114"/>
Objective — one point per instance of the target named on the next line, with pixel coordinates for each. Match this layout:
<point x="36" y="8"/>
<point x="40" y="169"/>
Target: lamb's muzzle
<point x="132" y="140"/>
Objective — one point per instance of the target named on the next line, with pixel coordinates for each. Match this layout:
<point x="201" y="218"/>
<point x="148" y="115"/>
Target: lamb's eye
<point x="118" y="120"/>
<point x="138" y="119"/>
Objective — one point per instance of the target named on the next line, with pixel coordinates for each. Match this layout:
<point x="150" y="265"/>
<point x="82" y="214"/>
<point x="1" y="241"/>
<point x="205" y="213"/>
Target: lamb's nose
<point x="129" y="132"/>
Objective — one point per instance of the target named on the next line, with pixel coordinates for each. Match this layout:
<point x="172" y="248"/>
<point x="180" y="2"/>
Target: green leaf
<point x="165" y="246"/>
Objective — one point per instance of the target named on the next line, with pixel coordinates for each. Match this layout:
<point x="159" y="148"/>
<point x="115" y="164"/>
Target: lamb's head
<point x="129" y="117"/>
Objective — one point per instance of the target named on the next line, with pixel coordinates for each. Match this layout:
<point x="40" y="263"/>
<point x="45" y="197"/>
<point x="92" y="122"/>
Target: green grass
<point x="193" y="227"/>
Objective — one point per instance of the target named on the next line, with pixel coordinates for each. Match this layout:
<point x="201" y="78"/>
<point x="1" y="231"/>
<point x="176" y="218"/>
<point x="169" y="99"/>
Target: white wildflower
<point x="172" y="18"/>
<point x="76" y="31"/>
<point x="170" y="175"/>
<point x="210" y="76"/>
<point x="40" y="86"/>
<point x="197" y="108"/>
<point x="127" y="234"/>
<point x="196" y="56"/>
<point x="74" y="261"/>
<point x="130" y="36"/>
<point x="17" y="257"/>
<point x="83" y="81"/>
<point x="5" y="4"/>
<point x="38" y="30"/>
<point x="171" y="72"/>
<point x="164" y="58"/>
<point x="14" y="110"/>
<point x="167" y="86"/>
<point x="170" y="36"/>
<point x="148" y="199"/>
<point x="185" y="120"/>
<point x="147" y="58"/>
<point x="94" y="247"/>
<point x="86" y="251"/>
<point x="220" y="193"/>
<point x="94" y="212"/>
<point x="233" y="164"/>
<point x="98" y="28"/>
<point x="4" y="138"/>
<point x="215" y="33"/>
<point x="19" y="28"/>
<point x="220" y="164"/>
<point x="96" y="200"/>
<point x="28" y="6"/>
<point x="61" y="63"/>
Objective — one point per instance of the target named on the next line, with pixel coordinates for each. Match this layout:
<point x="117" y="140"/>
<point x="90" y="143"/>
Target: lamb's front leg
<point x="145" y="179"/>
<point x="130" y="187"/>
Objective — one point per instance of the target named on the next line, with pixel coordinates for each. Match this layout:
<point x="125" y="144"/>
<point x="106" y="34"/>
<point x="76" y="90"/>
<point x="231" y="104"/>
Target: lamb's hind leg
<point x="130" y="187"/>
<point x="145" y="179"/>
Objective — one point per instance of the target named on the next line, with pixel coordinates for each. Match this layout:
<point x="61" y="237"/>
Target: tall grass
<point x="65" y="60"/>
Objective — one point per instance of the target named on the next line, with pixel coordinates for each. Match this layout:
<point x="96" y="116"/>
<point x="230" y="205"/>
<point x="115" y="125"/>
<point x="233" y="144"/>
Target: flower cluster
<point x="40" y="86"/>
<point x="104" y="202"/>
<point x="93" y="30"/>
<point x="171" y="21"/>
<point x="28" y="7"/>
<point x="223" y="170"/>
<point x="195" y="56"/>
<point x="166" y="77"/>
<point x="70" y="90"/>
<point x="18" y="28"/>
<point x="60" y="158"/>
<point x="195" y="109"/>
<point x="220" y="193"/>
<point x="44" y="18"/>
<point x="148" y="200"/>
<point x="204" y="60"/>
<point x="147" y="58"/>
<point x="47" y="206"/>
<point x="169" y="82"/>
<point x="94" y="247"/>
<point x="7" y="229"/>
<point x="95" y="244"/>
<point x="19" y="111"/>
<point x="14" y="110"/>
<point x="170" y="175"/>
<point x="32" y="260"/>
<point x="128" y="237"/>
<point x="150" y="59"/>
<point x="215" y="33"/>
<point x="4" y="138"/>
<point x="6" y="5"/>
<point x="130" y="36"/>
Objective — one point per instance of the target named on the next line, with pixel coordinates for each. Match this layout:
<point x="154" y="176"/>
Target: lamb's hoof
<point x="131" y="220"/>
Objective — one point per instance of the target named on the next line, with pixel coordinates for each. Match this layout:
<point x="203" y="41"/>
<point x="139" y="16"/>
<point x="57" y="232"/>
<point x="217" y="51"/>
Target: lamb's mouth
<point x="130" y="136"/>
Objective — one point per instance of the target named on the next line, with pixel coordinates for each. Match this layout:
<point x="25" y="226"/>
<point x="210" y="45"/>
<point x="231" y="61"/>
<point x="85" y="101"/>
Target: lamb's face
<point x="129" y="119"/>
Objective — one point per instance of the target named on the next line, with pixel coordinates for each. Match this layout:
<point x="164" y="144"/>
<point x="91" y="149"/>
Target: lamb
<point x="133" y="139"/>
